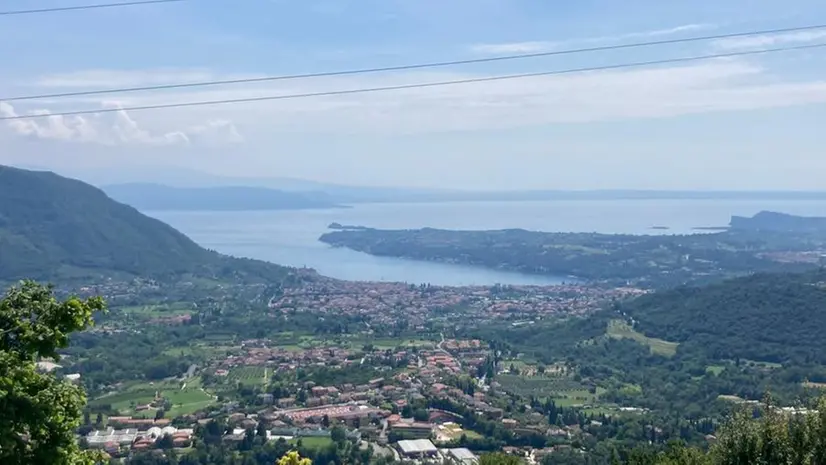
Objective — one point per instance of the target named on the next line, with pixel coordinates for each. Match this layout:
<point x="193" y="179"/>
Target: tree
<point x="420" y="414"/>
<point x="498" y="458"/>
<point x="293" y="458"/>
<point x="165" y="442"/>
<point x="39" y="412"/>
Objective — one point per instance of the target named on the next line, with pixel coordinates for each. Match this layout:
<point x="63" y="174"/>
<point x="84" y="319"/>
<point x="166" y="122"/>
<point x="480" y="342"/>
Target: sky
<point x="742" y="123"/>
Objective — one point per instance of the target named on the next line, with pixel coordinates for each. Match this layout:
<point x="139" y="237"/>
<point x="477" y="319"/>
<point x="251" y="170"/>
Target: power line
<point x="85" y="7"/>
<point x="420" y="85"/>
<point x="412" y="66"/>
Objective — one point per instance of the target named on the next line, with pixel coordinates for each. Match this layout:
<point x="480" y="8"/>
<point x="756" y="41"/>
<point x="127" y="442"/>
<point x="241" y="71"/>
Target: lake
<point x="291" y="237"/>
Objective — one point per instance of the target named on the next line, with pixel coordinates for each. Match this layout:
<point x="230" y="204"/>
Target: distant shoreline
<point x="711" y="228"/>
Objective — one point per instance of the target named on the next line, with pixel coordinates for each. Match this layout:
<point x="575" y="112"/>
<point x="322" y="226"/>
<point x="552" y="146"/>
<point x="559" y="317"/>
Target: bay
<point x="291" y="237"/>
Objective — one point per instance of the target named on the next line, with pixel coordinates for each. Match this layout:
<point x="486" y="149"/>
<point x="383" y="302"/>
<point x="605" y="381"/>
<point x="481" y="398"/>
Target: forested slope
<point x="766" y="317"/>
<point x="56" y="228"/>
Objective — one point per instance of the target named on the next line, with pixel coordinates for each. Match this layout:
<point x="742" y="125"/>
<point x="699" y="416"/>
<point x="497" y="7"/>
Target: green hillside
<point x="56" y="228"/>
<point x="766" y="317"/>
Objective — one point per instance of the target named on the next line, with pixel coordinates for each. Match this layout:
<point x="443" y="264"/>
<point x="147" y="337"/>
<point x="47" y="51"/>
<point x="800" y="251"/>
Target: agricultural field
<point x="183" y="398"/>
<point x="249" y="375"/>
<point x="621" y="330"/>
<point x="153" y="311"/>
<point x="521" y="367"/>
<point x="563" y="390"/>
<point x="203" y="351"/>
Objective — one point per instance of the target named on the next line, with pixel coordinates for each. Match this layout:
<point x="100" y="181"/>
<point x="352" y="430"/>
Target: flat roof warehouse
<point x="417" y="447"/>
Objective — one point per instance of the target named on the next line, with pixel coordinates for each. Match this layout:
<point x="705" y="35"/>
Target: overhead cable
<point x="417" y="85"/>
<point x="85" y="7"/>
<point x="411" y="66"/>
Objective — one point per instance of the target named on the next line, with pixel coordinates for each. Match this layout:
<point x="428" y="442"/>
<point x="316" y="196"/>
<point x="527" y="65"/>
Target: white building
<point x="100" y="439"/>
<point x="417" y="448"/>
<point x="463" y="456"/>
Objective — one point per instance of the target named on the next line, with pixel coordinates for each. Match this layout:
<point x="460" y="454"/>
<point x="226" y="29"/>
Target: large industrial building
<point x="417" y="448"/>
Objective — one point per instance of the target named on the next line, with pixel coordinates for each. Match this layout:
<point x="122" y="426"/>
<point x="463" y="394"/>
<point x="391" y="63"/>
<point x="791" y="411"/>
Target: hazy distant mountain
<point x="347" y="194"/>
<point x="160" y="197"/>
<point x="57" y="229"/>
<point x="779" y="222"/>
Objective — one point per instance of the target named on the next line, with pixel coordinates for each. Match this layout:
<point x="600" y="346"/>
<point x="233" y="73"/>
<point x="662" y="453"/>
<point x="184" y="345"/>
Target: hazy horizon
<point x="189" y="178"/>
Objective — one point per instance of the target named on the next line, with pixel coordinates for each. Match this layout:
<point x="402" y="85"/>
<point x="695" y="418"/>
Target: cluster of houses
<point x="117" y="442"/>
<point x="389" y="302"/>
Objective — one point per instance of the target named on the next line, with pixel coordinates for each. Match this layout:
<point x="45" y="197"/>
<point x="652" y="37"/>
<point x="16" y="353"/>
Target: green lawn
<point x="313" y="442"/>
<point x="715" y="369"/>
<point x="620" y="330"/>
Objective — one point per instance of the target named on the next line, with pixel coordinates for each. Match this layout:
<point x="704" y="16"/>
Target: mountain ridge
<point x="57" y="228"/>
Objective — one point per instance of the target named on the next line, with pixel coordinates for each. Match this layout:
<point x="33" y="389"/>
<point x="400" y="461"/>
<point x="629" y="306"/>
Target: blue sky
<point x="740" y="123"/>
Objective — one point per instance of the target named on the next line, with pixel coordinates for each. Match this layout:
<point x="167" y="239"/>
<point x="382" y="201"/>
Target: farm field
<point x="621" y="330"/>
<point x="249" y="375"/>
<point x="564" y="391"/>
<point x="205" y="351"/>
<point x="179" y="308"/>
<point x="183" y="398"/>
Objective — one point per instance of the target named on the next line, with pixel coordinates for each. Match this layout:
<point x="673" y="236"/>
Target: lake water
<point x="291" y="237"/>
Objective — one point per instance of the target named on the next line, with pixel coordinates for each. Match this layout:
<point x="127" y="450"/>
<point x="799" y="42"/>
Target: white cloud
<point x="772" y="40"/>
<point x="114" y="128"/>
<point x="107" y="78"/>
<point x="544" y="46"/>
<point x="515" y="47"/>
<point x="664" y="32"/>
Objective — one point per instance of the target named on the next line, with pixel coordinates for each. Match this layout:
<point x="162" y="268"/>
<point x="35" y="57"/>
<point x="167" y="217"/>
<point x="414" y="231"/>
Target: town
<point x="417" y="395"/>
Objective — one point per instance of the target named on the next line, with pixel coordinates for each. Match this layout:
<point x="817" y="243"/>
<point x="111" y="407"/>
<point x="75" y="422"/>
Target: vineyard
<point x="565" y="391"/>
<point x="249" y="375"/>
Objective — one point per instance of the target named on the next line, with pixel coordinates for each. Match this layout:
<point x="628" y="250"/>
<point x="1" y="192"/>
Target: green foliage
<point x="774" y="318"/>
<point x="774" y="437"/>
<point x="497" y="458"/>
<point x="619" y="329"/>
<point x="656" y="261"/>
<point x="38" y="412"/>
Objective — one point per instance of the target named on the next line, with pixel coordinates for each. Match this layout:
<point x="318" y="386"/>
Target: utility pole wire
<point x="419" y="85"/>
<point x="413" y="66"/>
<point x="85" y="7"/>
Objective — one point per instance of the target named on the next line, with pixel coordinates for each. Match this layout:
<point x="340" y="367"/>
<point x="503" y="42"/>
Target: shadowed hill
<point x="56" y="228"/>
